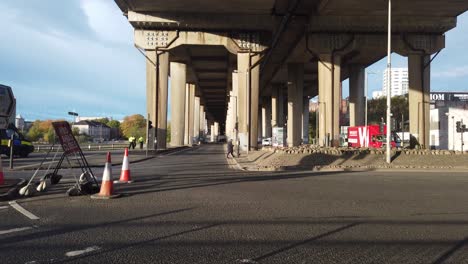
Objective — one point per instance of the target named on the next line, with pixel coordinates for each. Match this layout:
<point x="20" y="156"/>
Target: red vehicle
<point x="370" y="136"/>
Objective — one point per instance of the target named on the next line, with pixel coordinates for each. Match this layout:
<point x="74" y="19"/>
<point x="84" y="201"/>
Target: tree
<point x="104" y="120"/>
<point x="113" y="124"/>
<point x="377" y="109"/>
<point x="134" y="125"/>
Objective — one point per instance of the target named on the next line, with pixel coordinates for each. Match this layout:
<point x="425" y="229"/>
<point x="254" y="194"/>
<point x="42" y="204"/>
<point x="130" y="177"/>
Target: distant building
<point x="82" y="118"/>
<point x="377" y="94"/>
<point x="399" y="82"/>
<point x="448" y="108"/>
<point x="97" y="131"/>
<point x="19" y="122"/>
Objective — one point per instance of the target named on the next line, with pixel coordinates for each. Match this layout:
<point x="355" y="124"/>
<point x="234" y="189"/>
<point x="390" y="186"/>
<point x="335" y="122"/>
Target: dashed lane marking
<point x="25" y="212"/>
<point x="81" y="252"/>
<point x="13" y="230"/>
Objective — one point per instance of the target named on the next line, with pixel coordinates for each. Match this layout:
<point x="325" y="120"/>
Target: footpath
<point x="310" y="157"/>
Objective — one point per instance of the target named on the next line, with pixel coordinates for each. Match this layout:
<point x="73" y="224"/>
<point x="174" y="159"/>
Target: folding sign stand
<point x="87" y="183"/>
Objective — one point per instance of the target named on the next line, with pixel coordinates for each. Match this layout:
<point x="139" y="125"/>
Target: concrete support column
<point x="186" y="119"/>
<point x="305" y="121"/>
<point x="281" y="119"/>
<point x="196" y="121"/>
<point x="266" y="117"/>
<point x="356" y="95"/>
<point x="254" y="101"/>
<point x="212" y="132"/>
<point x="329" y="71"/>
<point x="295" y="103"/>
<point x="156" y="97"/>
<point x="216" y="131"/>
<point x="419" y="92"/>
<point x="260" y="124"/>
<point x="274" y="106"/>
<point x="151" y="87"/>
<point x="243" y="64"/>
<point x="191" y="113"/>
<point x="178" y="90"/>
<point x="202" y="122"/>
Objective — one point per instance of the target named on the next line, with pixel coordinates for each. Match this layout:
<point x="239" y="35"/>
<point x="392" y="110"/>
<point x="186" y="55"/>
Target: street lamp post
<point x="366" y="87"/>
<point x="389" y="66"/>
<point x="236" y="125"/>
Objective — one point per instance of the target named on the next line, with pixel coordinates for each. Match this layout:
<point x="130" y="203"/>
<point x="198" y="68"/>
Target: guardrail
<point x="84" y="147"/>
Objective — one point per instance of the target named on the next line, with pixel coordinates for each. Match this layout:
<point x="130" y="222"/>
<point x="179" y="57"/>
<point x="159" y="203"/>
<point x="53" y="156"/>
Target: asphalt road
<point x="193" y="207"/>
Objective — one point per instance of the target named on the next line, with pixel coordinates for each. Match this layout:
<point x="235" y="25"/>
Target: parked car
<point x="266" y="141"/>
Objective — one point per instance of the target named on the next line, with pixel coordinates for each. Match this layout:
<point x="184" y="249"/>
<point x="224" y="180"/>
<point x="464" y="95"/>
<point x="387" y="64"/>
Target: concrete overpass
<point x="255" y="62"/>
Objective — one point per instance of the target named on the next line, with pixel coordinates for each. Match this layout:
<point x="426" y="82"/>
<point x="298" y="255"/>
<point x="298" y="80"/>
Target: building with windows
<point x="399" y="82"/>
<point x="97" y="131"/>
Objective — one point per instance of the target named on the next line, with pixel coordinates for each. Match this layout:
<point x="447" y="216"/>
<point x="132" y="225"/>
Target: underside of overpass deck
<point x="251" y="63"/>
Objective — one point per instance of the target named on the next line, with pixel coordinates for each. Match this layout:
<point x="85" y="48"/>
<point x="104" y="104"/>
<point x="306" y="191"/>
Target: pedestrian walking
<point x="140" y="140"/>
<point x="130" y="142"/>
<point x="230" y="149"/>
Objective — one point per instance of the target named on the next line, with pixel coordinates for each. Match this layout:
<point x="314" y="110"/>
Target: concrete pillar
<point x="212" y="132"/>
<point x="216" y="131"/>
<point x="419" y="92"/>
<point x="243" y="64"/>
<point x="191" y="112"/>
<point x="305" y="121"/>
<point x="186" y="119"/>
<point x="260" y="124"/>
<point x="178" y="90"/>
<point x="202" y="122"/>
<point x="254" y="101"/>
<point x="281" y="119"/>
<point x="295" y="103"/>
<point x="196" y="121"/>
<point x="274" y="106"/>
<point x="356" y="95"/>
<point x="266" y="117"/>
<point x="151" y="87"/>
<point x="329" y="72"/>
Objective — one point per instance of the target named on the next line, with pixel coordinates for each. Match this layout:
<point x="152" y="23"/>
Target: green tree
<point x="134" y="125"/>
<point x="113" y="124"/>
<point x="104" y="120"/>
<point x="377" y="110"/>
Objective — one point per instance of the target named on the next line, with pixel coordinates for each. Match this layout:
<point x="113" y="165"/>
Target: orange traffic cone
<point x="107" y="186"/>
<point x="2" y="177"/>
<point x="125" y="174"/>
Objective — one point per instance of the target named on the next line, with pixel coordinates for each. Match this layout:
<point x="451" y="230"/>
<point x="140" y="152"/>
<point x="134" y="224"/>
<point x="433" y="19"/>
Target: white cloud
<point x="107" y="21"/>
<point x="455" y="72"/>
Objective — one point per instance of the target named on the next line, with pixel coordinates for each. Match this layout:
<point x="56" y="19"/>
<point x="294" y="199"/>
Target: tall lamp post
<point x="453" y="129"/>
<point x="74" y="116"/>
<point x="236" y="125"/>
<point x="389" y="67"/>
<point x="366" y="87"/>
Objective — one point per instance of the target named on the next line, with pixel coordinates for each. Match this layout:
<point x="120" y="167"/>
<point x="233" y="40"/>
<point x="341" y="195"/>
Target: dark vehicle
<point x="22" y="147"/>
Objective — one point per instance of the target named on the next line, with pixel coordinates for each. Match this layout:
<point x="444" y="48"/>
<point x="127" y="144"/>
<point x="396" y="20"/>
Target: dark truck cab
<point x="22" y="147"/>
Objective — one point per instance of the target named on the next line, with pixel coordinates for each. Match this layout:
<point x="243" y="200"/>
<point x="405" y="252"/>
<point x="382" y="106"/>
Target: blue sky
<point x="78" y="55"/>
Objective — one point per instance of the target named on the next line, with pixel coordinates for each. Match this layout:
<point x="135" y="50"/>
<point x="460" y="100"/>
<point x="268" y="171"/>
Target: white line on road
<point x="25" y="212"/>
<point x="81" y="252"/>
<point x="3" y="232"/>
<point x="3" y="207"/>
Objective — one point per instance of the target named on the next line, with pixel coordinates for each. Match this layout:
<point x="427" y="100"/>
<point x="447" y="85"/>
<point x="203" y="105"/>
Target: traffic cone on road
<point x="2" y="177"/>
<point x="125" y="174"/>
<point x="107" y="186"/>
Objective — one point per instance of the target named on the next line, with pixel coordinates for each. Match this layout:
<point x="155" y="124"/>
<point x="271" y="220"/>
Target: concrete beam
<point x="200" y="21"/>
<point x="169" y="39"/>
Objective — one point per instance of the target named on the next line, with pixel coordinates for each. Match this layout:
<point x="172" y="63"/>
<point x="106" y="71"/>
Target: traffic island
<point x="9" y="190"/>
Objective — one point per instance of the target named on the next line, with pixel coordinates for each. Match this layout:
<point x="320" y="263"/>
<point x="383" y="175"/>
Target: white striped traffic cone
<point x="107" y="186"/>
<point x="125" y="174"/>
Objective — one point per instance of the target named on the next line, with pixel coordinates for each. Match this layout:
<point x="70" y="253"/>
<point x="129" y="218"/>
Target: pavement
<point x="95" y="159"/>
<point x="332" y="159"/>
<point x="195" y="207"/>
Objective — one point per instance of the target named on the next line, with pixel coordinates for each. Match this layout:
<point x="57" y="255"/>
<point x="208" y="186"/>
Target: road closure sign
<point x="7" y="101"/>
<point x="65" y="135"/>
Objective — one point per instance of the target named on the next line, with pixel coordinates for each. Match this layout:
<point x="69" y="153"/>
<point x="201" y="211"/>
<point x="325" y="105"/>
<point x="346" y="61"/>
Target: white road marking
<point x="3" y="232"/>
<point x="81" y="252"/>
<point x="3" y="207"/>
<point x="25" y="212"/>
